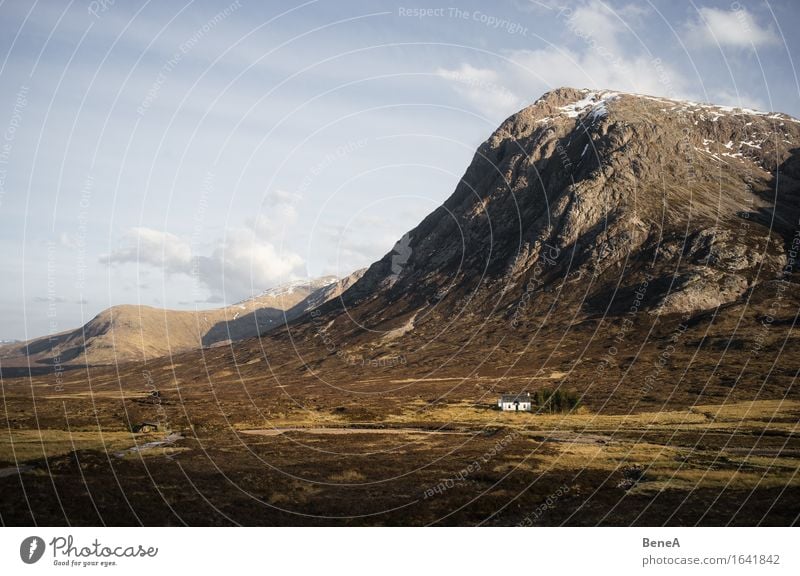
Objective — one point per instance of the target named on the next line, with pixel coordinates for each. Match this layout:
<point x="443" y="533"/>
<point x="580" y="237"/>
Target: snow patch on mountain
<point x="593" y="102"/>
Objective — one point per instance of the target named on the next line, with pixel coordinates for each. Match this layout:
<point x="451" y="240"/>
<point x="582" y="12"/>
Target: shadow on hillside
<point x="247" y="326"/>
<point x="784" y="195"/>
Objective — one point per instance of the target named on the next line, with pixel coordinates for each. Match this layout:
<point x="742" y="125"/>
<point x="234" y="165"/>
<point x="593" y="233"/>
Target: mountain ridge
<point x="129" y="332"/>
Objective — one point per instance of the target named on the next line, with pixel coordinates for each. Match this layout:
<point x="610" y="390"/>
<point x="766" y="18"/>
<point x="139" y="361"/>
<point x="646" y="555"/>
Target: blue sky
<point x="191" y="154"/>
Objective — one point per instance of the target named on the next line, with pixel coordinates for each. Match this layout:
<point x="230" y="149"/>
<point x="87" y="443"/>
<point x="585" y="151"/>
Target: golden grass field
<point x="742" y="448"/>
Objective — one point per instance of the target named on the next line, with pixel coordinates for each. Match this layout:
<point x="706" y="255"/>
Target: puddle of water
<point x="170" y="439"/>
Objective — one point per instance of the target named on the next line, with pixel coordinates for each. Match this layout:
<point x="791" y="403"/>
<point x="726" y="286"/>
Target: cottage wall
<point x="523" y="406"/>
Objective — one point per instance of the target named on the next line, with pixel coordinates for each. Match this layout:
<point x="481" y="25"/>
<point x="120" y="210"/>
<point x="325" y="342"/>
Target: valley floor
<point x="228" y="460"/>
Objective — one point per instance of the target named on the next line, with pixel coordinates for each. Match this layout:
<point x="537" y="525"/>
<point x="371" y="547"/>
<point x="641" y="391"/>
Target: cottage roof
<point x="521" y="397"/>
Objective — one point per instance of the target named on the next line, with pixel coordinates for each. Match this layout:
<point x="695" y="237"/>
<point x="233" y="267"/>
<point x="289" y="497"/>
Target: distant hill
<point x="130" y="332"/>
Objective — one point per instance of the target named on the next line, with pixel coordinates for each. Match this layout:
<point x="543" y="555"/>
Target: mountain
<point x="287" y="303"/>
<point x="587" y="215"/>
<point x="580" y="182"/>
<point x="629" y="261"/>
<point x="596" y="237"/>
<point x="129" y="332"/>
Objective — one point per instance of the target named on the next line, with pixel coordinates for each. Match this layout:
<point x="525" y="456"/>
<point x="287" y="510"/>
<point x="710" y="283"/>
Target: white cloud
<point x="597" y="21"/>
<point x="239" y="265"/>
<point x="530" y="73"/>
<point x="244" y="264"/>
<point x="595" y="59"/>
<point x="483" y="89"/>
<point x="542" y="70"/>
<point x="735" y="28"/>
<point x="278" y="212"/>
<point x="152" y="247"/>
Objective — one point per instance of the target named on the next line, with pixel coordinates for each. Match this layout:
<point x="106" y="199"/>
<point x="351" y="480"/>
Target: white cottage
<point x="515" y="402"/>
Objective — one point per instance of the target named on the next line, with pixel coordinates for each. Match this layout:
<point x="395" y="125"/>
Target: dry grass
<point x="348" y="476"/>
<point x="772" y="416"/>
<point x="26" y="445"/>
<point x="610" y="443"/>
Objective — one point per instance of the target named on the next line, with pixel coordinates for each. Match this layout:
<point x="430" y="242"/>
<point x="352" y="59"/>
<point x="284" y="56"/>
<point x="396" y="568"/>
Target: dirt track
<point x="279" y="431"/>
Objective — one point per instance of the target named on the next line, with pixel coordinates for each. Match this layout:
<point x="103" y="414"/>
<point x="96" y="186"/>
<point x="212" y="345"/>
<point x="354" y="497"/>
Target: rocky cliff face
<point x="593" y="193"/>
<point x="587" y="223"/>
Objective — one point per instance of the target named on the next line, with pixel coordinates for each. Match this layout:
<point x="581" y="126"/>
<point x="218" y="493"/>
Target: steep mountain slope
<point x="586" y="216"/>
<point x="586" y="179"/>
<point x="128" y="332"/>
<point x="577" y="184"/>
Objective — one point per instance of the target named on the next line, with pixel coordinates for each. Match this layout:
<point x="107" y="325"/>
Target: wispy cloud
<point x="594" y="54"/>
<point x="243" y="264"/>
<point x="533" y="72"/>
<point x="731" y="28"/>
<point x="597" y="21"/>
<point x="482" y="88"/>
<point x="152" y="247"/>
<point x="278" y="212"/>
<point x="239" y="264"/>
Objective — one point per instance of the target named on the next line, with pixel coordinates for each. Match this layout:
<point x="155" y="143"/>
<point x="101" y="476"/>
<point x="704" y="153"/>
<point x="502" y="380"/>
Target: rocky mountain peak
<point x="598" y="188"/>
